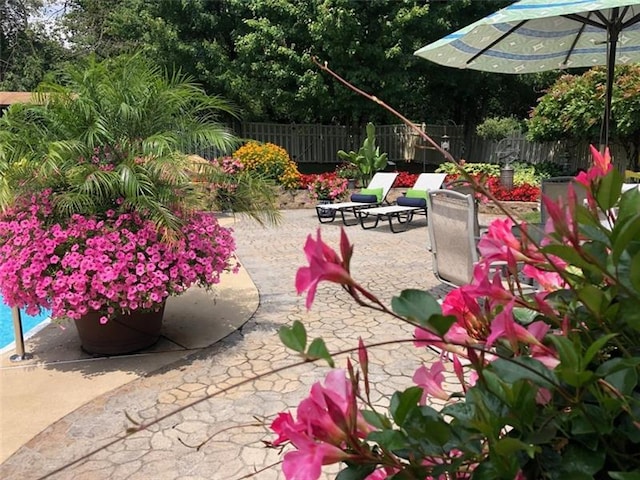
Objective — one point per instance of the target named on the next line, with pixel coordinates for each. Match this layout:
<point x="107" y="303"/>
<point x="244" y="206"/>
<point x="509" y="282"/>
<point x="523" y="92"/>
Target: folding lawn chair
<point x="557" y="188"/>
<point x="372" y="196"/>
<point x="453" y="235"/>
<point x="414" y="202"/>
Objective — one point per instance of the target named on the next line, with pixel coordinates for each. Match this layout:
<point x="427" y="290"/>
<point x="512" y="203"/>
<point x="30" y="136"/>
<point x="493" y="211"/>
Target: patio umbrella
<point x="537" y="35"/>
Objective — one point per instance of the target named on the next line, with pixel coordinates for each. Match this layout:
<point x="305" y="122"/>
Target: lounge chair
<point x="414" y="202"/>
<point x="375" y="193"/>
<point x="631" y="177"/>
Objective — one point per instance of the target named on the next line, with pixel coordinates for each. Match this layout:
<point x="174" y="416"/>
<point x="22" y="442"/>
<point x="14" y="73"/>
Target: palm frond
<point x="135" y="120"/>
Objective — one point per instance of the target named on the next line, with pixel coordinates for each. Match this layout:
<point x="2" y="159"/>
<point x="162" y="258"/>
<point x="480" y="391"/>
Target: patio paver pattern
<point x="385" y="263"/>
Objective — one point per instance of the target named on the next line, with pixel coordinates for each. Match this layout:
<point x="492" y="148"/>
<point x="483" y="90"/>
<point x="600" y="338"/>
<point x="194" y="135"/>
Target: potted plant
<point x="368" y="159"/>
<point x="350" y="173"/>
<point x="326" y="188"/>
<point x="112" y="214"/>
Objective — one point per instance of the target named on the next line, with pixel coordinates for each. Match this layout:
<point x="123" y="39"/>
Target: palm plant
<point x="115" y="135"/>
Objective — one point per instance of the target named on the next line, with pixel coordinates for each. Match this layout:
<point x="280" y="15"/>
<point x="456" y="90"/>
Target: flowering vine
<point x="548" y="379"/>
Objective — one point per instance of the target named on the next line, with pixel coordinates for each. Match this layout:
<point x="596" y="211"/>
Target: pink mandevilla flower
<point x="325" y="420"/>
<point x="601" y="166"/>
<point x="324" y="264"/>
<point x="430" y="379"/>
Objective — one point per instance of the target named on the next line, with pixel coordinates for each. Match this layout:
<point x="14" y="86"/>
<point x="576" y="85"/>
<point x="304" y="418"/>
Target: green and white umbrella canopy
<point x="537" y="35"/>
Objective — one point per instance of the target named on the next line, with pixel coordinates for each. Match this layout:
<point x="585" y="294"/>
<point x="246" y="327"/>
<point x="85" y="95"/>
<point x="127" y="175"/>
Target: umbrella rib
<point x="632" y="21"/>
<point x="496" y="41"/>
<point x="575" y="41"/>
<point x="586" y="20"/>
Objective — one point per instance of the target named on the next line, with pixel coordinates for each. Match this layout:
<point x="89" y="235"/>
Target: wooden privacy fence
<point x="312" y="143"/>
<point x="571" y="156"/>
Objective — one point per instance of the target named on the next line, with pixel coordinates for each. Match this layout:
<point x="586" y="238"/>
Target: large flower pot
<point x="125" y="333"/>
<point x="325" y="212"/>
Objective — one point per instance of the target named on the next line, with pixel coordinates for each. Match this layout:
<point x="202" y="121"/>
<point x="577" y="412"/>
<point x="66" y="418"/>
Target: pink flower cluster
<point x="113" y="265"/>
<point x="102" y="157"/>
<point x="229" y="165"/>
<point x="486" y="329"/>
<point x="327" y="186"/>
<point x="326" y="423"/>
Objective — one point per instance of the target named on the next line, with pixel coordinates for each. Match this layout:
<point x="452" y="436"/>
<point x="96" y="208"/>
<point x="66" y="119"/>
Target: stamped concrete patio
<point x="226" y="426"/>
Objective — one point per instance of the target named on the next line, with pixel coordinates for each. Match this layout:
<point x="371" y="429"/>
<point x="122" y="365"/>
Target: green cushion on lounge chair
<point x="411" y="193"/>
<point x="372" y="191"/>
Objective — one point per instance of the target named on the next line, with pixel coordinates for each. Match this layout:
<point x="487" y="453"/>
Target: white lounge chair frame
<point x="370" y="217"/>
<point x="327" y="212"/>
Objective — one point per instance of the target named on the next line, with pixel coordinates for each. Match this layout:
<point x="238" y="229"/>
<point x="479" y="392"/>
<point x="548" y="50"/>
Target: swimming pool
<point x="6" y="323"/>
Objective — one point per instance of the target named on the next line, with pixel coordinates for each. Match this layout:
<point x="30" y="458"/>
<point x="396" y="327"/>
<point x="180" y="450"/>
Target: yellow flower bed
<point x="271" y="161"/>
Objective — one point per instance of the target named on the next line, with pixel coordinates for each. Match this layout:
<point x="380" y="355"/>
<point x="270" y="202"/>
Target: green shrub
<point x="524" y="173"/>
<point x="497" y="128"/>
<point x="490" y="169"/>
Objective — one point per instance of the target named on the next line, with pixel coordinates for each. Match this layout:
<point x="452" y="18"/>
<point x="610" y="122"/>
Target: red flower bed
<point x="306" y="179"/>
<point x="519" y="193"/>
<point x="405" y="180"/>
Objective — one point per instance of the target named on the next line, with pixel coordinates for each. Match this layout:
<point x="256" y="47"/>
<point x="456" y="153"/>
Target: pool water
<point x="6" y="323"/>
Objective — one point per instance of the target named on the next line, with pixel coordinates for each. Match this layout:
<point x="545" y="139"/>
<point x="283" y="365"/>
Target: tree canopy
<point x="573" y="107"/>
<point x="257" y="54"/>
<point x="26" y="51"/>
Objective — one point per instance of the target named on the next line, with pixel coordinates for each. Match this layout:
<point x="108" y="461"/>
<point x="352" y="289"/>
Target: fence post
<point x="20" y="354"/>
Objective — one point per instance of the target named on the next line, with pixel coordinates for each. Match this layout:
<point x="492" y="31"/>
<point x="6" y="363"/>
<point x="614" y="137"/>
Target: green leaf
<point x="416" y="305"/>
<point x="511" y="446"/>
<point x="524" y="316"/>
<point x="355" y="472"/>
<point x="628" y="205"/>
<point x="404" y="402"/>
<point x="625" y="380"/>
<point x="582" y="461"/>
<point x="318" y="349"/>
<point x="388" y="439"/>
<point x="524" y="368"/>
<point x="635" y="475"/>
<point x="592" y="297"/>
<point x="569" y="356"/>
<point x="634" y="272"/>
<point x="441" y="323"/>
<point x="609" y="190"/>
<point x="617" y="364"/>
<point x="595" y="347"/>
<point x="425" y="423"/>
<point x="375" y="419"/>
<point x="567" y="253"/>
<point x="624" y="234"/>
<point x="294" y="337"/>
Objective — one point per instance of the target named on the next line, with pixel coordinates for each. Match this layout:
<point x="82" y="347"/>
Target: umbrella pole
<point x="613" y="31"/>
